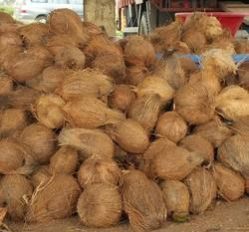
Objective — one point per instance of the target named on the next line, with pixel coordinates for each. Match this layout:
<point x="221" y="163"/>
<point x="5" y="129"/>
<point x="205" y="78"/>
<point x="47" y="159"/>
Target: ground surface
<point x="226" y="217"/>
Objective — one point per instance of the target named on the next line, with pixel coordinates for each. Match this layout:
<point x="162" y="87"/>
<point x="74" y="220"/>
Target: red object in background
<point x="231" y="21"/>
<point x="186" y="4"/>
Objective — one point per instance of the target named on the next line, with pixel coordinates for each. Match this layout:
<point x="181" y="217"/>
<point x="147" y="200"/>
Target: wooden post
<point x="102" y="13"/>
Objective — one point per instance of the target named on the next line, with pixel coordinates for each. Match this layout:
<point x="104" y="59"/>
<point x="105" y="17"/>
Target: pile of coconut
<point x="104" y="131"/>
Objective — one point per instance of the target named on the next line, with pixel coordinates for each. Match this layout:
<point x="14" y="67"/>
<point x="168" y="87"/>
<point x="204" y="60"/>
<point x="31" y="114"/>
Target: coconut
<point x="243" y="73"/>
<point x="240" y="126"/>
<point x="70" y="57"/>
<point x="129" y="135"/>
<point x="143" y="202"/>
<point x="232" y="103"/>
<point x="241" y="46"/>
<point x="174" y="163"/>
<point x="176" y="197"/>
<point x="27" y="65"/>
<point x="48" y="111"/>
<point x="49" y="80"/>
<point x="194" y="103"/>
<point x="40" y="176"/>
<point x="139" y="51"/>
<point x="121" y="98"/>
<point x="98" y="170"/>
<point x="172" y="126"/>
<point x="34" y="34"/>
<point x="145" y="110"/>
<point x="41" y="140"/>
<point x="202" y="189"/>
<point x="195" y="40"/>
<point x="181" y="48"/>
<point x="136" y="74"/>
<point x="10" y="39"/>
<point x="17" y="190"/>
<point x="9" y="27"/>
<point x="12" y="120"/>
<point x="233" y="153"/>
<point x="6" y="85"/>
<point x="6" y="18"/>
<point x="100" y="205"/>
<point x="90" y="142"/>
<point x="152" y="85"/>
<point x="188" y="66"/>
<point x="64" y="161"/>
<point x="199" y="145"/>
<point x="15" y="158"/>
<point x="214" y="131"/>
<point x="89" y="112"/>
<point x="56" y="199"/>
<point x="67" y="22"/>
<point x="231" y="185"/>
<point x="87" y="82"/>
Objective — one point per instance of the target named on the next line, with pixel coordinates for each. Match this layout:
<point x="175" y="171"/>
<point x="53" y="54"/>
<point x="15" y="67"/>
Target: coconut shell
<point x="6" y="85"/>
<point x="87" y="82"/>
<point x="129" y="135"/>
<point x="146" y="110"/>
<point x="230" y="184"/>
<point x="143" y="202"/>
<point x="175" y="163"/>
<point x="202" y="189"/>
<point x="194" y="103"/>
<point x="195" y="40"/>
<point x="199" y="145"/>
<point x="172" y="126"/>
<point x="90" y="142"/>
<point x="12" y="120"/>
<point x="89" y="112"/>
<point x="177" y="199"/>
<point x="56" y="199"/>
<point x="100" y="205"/>
<point x="243" y="73"/>
<point x="121" y="98"/>
<point x="98" y="170"/>
<point x="233" y="153"/>
<point x="136" y="74"/>
<point x="10" y="39"/>
<point x="40" y="176"/>
<point x="9" y="27"/>
<point x="139" y="51"/>
<point x="6" y="18"/>
<point x="64" y="161"/>
<point x="48" y="111"/>
<point x="15" y="158"/>
<point x="41" y="140"/>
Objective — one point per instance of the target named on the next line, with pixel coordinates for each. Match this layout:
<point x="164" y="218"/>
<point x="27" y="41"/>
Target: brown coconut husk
<point x="232" y="103"/>
<point x="155" y="85"/>
<point x="92" y="29"/>
<point x="100" y="205"/>
<point x="6" y="18"/>
<point x="90" y="142"/>
<point x="6" y="85"/>
<point x="41" y="140"/>
<point x="143" y="202"/>
<point x="188" y="66"/>
<point x="48" y="111"/>
<point x="230" y="184"/>
<point x="121" y="98"/>
<point x="241" y="46"/>
<point x="202" y="189"/>
<point x="139" y="51"/>
<point x="33" y="34"/>
<point x="15" y="158"/>
<point x="27" y="65"/>
<point x="174" y="163"/>
<point x="12" y="120"/>
<point x="70" y="57"/>
<point x="172" y="126"/>
<point x="214" y="131"/>
<point x="89" y="112"/>
<point x="181" y="48"/>
<point x="243" y="75"/>
<point x="87" y="82"/>
<point x="56" y="199"/>
<point x="240" y="126"/>
<point x="199" y="145"/>
<point x="40" y="176"/>
<point x="194" y="103"/>
<point x="136" y="74"/>
<point x="145" y="110"/>
<point x="67" y="22"/>
<point x="129" y="135"/>
<point x="10" y="39"/>
<point x="49" y="80"/>
<point x="176" y="197"/>
<point x="233" y="153"/>
<point x="98" y="170"/>
<point x="64" y="161"/>
<point x="9" y="27"/>
<point x="16" y="189"/>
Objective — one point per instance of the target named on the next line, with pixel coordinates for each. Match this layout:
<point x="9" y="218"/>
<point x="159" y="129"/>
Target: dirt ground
<point x="226" y="217"/>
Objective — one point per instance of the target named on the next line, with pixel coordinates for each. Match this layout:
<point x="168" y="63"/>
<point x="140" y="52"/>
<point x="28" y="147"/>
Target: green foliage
<point x="7" y="9"/>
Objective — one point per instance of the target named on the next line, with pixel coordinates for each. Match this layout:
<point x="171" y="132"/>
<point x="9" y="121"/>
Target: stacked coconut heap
<point x="105" y="131"/>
